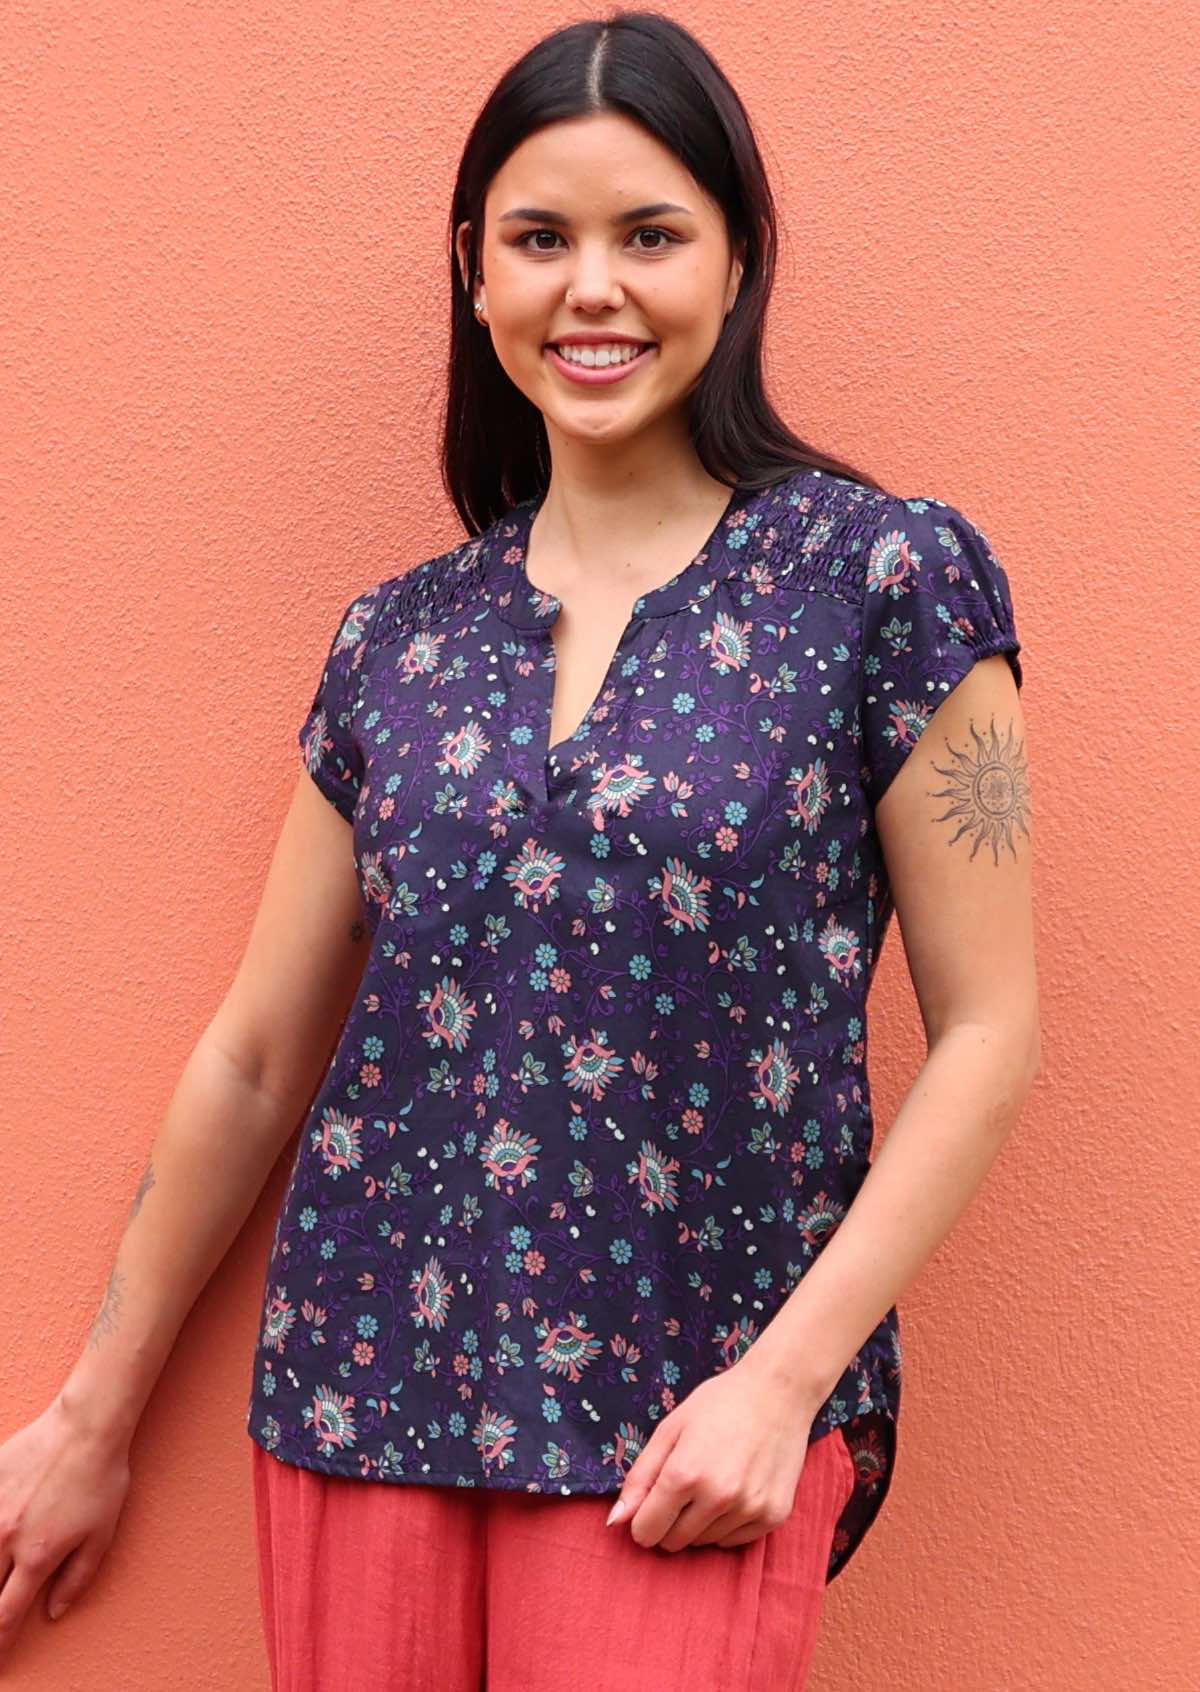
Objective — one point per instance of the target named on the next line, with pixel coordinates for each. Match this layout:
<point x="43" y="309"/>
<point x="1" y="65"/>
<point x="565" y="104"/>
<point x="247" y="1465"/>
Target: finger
<point x="720" y="1528"/>
<point x="692" y="1526"/>
<point x="19" y="1591"/>
<point x="746" y="1534"/>
<point x="72" y="1578"/>
<point x="658" y="1512"/>
<point x="644" y="1472"/>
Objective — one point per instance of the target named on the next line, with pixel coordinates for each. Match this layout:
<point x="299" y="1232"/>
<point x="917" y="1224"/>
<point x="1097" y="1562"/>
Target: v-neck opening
<point x="535" y="610"/>
<point x="579" y="733"/>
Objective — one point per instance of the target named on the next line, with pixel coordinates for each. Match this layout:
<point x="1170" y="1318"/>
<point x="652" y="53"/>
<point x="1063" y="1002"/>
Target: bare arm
<point x="189" y="1207"/>
<point x="238" y="1100"/>
<point x="959" y="858"/>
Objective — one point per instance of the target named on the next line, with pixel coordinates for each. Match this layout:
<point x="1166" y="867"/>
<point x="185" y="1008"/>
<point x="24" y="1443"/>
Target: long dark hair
<point x="649" y="68"/>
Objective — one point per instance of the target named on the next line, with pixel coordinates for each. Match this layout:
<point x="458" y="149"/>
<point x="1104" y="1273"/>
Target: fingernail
<point x="56" y="1610"/>
<point x="613" y="1513"/>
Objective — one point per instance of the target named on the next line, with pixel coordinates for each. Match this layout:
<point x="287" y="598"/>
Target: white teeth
<point x="611" y="352"/>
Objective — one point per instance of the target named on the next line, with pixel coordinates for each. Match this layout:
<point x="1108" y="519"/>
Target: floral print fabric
<point x="602" y="1097"/>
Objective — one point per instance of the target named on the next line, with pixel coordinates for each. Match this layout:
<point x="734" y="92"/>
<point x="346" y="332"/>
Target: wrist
<point x="787" y="1374"/>
<point x="97" y="1413"/>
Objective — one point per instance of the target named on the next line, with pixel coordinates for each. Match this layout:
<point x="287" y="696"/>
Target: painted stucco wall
<point x="221" y="355"/>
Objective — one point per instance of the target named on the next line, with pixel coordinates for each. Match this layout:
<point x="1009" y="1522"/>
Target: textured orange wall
<point x="221" y="359"/>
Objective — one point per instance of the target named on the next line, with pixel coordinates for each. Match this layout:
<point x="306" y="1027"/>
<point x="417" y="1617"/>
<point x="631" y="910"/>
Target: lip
<point x="594" y="375"/>
<point x="598" y="338"/>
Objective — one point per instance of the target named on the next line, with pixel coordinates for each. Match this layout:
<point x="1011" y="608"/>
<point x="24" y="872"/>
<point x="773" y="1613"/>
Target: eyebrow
<point x="538" y="214"/>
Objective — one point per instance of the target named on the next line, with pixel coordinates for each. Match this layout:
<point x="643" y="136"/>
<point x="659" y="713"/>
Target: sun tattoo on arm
<point x="988" y="795"/>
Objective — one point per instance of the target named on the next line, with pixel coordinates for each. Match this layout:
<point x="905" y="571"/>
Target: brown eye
<point x="652" y="229"/>
<point x="524" y="240"/>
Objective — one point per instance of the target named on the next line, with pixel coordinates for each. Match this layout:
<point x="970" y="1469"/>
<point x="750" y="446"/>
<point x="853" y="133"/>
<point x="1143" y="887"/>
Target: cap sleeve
<point x="329" y="749"/>
<point x="937" y="600"/>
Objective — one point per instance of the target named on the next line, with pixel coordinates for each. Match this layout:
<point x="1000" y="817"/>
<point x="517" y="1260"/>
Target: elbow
<point x="1013" y="1045"/>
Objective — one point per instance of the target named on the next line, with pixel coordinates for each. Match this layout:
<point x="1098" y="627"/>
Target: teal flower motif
<point x="449" y="802"/>
<point x="620" y="1251"/>
<point x="602" y="895"/>
<point x="684" y="703"/>
<point x="640" y="966"/>
<point x="307" y="1218"/>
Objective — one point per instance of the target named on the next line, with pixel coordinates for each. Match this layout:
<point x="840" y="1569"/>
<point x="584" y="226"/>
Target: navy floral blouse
<point x="602" y="1097"/>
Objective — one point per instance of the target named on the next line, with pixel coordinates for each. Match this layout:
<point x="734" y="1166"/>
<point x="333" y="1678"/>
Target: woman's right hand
<point x="62" y="1488"/>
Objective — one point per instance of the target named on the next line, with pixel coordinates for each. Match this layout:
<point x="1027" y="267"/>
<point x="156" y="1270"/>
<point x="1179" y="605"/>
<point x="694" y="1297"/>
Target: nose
<point x="593" y="284"/>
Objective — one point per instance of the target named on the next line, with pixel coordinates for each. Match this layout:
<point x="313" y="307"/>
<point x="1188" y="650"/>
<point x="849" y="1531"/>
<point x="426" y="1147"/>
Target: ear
<point x="461" y="237"/>
<point x="737" y="270"/>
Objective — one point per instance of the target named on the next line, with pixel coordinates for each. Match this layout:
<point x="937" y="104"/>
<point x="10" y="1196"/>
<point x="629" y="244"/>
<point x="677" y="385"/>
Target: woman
<point x="603" y="817"/>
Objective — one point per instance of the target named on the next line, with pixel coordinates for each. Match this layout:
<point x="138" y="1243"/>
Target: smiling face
<point x="598" y="209"/>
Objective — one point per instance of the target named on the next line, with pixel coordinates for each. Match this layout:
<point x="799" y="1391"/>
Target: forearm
<point x="966" y="1097"/>
<point x="219" y="1139"/>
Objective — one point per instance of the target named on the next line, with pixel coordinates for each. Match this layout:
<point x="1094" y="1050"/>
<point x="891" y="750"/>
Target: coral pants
<point x="371" y="1586"/>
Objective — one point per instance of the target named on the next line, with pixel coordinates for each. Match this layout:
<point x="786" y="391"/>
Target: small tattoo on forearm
<point x="988" y="792"/>
<point x="358" y="930"/>
<point x="144" y="1186"/>
<point x="110" y="1310"/>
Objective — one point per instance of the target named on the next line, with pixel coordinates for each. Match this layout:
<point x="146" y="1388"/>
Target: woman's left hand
<point x="722" y="1468"/>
